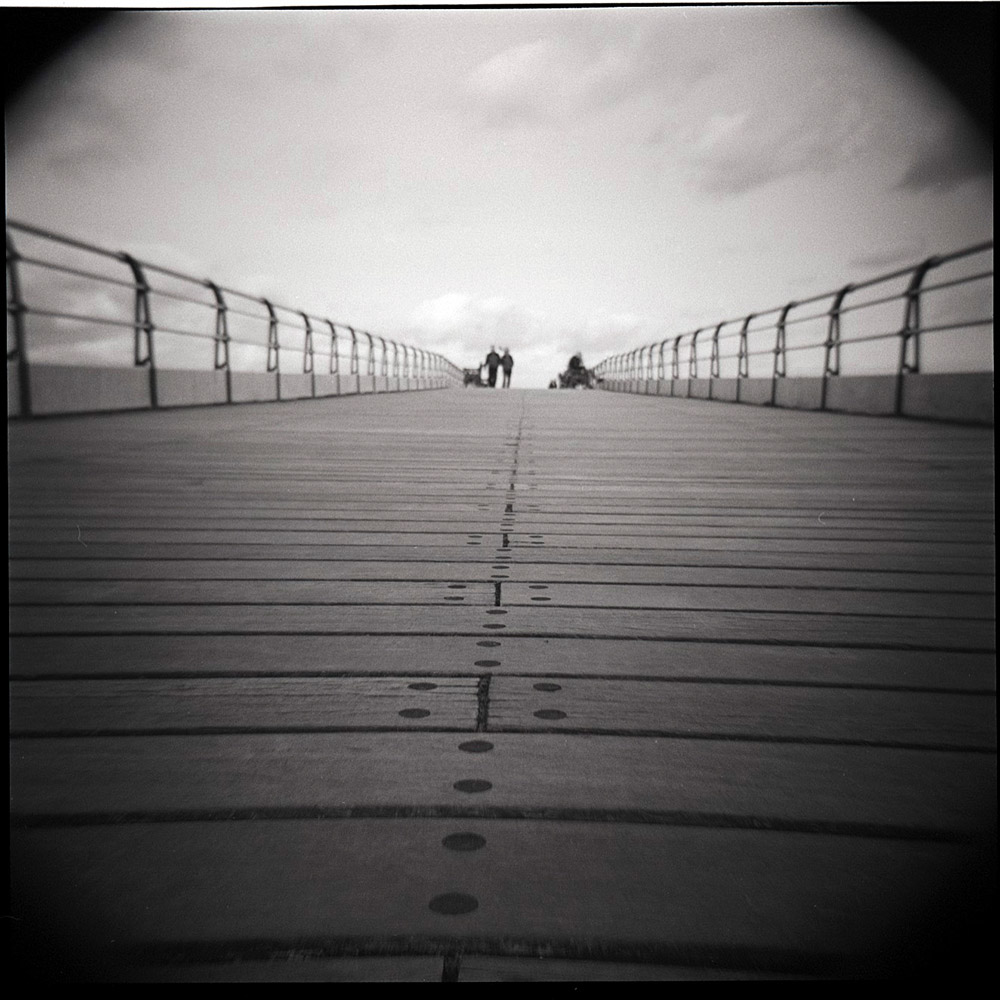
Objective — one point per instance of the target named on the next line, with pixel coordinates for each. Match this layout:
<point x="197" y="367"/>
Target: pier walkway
<point x="466" y="685"/>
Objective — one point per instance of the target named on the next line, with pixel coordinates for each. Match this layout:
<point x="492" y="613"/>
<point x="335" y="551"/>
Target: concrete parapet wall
<point x="327" y="384"/>
<point x="871" y="394"/>
<point x="950" y="397"/>
<point x="296" y="386"/>
<point x="756" y="391"/>
<point x="69" y="389"/>
<point x="725" y="389"/>
<point x="966" y="397"/>
<point x="799" y="393"/>
<point x="183" y="388"/>
<point x="254" y="387"/>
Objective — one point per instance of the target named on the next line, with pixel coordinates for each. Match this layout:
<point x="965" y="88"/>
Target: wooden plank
<point x="294" y="967"/>
<point x="760" y="541"/>
<point x="566" y="528"/>
<point x="346" y="569"/>
<point x="722" y="892"/>
<point x="483" y="593"/>
<point x="875" y="791"/>
<point x="746" y="712"/>
<point x="152" y="705"/>
<point x="493" y="969"/>
<point x="944" y="562"/>
<point x="269" y="655"/>
<point x="478" y="593"/>
<point x="721" y="626"/>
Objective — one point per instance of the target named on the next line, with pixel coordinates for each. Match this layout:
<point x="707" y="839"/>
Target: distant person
<point x="507" y="364"/>
<point x="492" y="364"/>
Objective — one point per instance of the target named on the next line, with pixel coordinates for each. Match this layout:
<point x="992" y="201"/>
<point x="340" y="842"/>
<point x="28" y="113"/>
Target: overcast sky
<point x="551" y="180"/>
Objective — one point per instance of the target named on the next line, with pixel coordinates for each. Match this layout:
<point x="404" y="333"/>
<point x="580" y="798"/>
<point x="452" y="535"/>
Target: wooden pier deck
<point x="470" y="685"/>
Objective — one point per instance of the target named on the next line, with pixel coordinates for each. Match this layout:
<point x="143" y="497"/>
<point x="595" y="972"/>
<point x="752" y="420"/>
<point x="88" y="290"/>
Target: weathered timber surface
<point x="467" y="686"/>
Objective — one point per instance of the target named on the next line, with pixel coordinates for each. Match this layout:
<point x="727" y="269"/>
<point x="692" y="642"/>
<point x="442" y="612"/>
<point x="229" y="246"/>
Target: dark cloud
<point x="955" y="158"/>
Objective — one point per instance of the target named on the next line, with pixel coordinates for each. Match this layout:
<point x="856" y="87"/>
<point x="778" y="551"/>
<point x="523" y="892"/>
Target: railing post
<point x="221" y="353"/>
<point x="780" y="355"/>
<point x="649" y="364"/>
<point x="385" y="360"/>
<point x="909" y="335"/>
<point x="371" y="358"/>
<point x="660" y="370"/>
<point x="273" y="347"/>
<point x="143" y="325"/>
<point x="675" y="361"/>
<point x="16" y="310"/>
<point x="355" y="365"/>
<point x="831" y="347"/>
<point x="693" y="357"/>
<point x="743" y="359"/>
<point x="308" y="358"/>
<point x="334" y="356"/>
<point x="406" y="362"/>
<point x="395" y="359"/>
<point x="713" y="365"/>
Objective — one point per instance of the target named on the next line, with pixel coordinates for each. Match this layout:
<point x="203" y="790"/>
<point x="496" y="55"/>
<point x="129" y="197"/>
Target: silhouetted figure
<point x="507" y="364"/>
<point x="576" y="375"/>
<point x="492" y="364"/>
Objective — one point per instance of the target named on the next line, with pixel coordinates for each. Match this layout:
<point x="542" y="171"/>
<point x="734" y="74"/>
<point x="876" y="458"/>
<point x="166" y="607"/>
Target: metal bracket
<point x="143" y="326"/>
<point x="831" y="348"/>
<point x="714" y="363"/>
<point x="334" y="357"/>
<point x="308" y="359"/>
<point x="780" y="343"/>
<point x="355" y="365"/>
<point x="16" y="310"/>
<point x="909" y="348"/>
<point x="693" y="355"/>
<point x="744" y="353"/>
<point x="221" y="356"/>
<point x="273" y="347"/>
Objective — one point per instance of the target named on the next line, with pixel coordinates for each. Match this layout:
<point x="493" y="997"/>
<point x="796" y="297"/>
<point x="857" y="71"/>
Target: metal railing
<point x="89" y="302"/>
<point x="949" y="294"/>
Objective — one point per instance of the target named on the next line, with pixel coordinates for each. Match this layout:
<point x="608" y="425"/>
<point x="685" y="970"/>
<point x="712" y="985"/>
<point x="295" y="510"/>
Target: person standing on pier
<point x="507" y="364"/>
<point x="492" y="364"/>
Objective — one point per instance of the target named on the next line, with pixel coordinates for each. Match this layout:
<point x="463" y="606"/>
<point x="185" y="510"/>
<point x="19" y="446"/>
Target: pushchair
<point x="472" y="376"/>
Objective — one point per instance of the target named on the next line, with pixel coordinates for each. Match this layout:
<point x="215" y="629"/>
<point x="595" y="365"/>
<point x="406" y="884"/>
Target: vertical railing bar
<point x="16" y="309"/>
<point x="355" y="362"/>
<point x="334" y="356"/>
<point x="909" y="335"/>
<point x="273" y="346"/>
<point x="308" y="358"/>
<point x="780" y="356"/>
<point x="831" y="348"/>
<point x="143" y="327"/>
<point x="221" y="346"/>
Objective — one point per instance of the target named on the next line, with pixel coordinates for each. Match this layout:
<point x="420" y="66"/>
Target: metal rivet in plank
<point x="472" y="785"/>
<point x="464" y="842"/>
<point x="453" y="903"/>
<point x="422" y="686"/>
<point x="496" y="611"/>
<point x="487" y="642"/>
<point x="494" y="625"/>
<point x="414" y="713"/>
<point x="476" y="746"/>
<point x="487" y="663"/>
<point x="547" y="686"/>
<point x="538" y="586"/>
<point x="456" y="586"/>
<point x="550" y="713"/>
